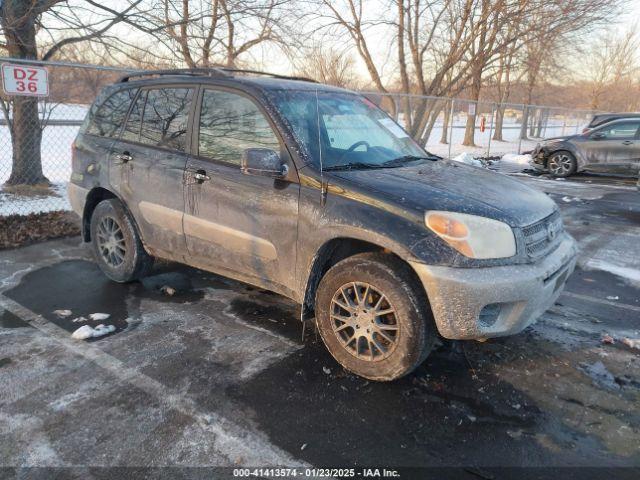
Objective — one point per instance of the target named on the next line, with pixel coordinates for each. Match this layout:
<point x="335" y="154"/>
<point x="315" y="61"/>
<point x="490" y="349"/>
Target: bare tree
<point x="39" y="30"/>
<point x="612" y="65"/>
<point x="327" y="65"/>
<point x="208" y="32"/>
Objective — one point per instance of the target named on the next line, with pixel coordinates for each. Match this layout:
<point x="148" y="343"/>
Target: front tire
<point x="373" y="318"/>
<point x="562" y="164"/>
<point x="116" y="243"/>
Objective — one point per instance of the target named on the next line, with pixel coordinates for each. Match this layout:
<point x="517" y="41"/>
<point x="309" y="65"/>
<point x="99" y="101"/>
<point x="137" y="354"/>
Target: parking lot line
<point x="232" y="440"/>
<point x="601" y="301"/>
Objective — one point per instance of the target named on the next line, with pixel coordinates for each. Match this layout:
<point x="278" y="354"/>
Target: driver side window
<point x="231" y="123"/>
<point x="619" y="131"/>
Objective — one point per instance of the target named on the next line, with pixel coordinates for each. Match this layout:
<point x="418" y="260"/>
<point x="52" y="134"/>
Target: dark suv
<point x="315" y="193"/>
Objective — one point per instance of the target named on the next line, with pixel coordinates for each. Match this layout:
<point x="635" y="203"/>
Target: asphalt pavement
<point x="219" y="374"/>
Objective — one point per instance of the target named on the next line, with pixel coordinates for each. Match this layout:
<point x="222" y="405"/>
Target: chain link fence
<point x="451" y="126"/>
<point x="36" y="134"/>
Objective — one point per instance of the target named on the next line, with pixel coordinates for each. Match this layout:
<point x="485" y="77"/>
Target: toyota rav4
<point x="315" y="193"/>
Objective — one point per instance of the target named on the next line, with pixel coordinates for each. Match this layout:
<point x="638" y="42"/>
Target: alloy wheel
<point x="364" y="321"/>
<point x="560" y="164"/>
<point x="111" y="243"/>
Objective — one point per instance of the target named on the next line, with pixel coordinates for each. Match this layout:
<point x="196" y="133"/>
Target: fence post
<point x="453" y="102"/>
<point x="523" y="127"/>
<point x="493" y="113"/>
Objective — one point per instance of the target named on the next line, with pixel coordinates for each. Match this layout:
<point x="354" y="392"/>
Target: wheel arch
<point x="332" y="252"/>
<point x="94" y="197"/>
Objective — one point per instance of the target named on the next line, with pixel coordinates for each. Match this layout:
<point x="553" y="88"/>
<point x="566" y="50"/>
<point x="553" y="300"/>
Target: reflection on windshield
<point x="346" y="131"/>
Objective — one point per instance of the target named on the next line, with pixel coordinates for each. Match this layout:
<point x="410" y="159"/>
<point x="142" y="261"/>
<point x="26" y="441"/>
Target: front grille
<point x="543" y="236"/>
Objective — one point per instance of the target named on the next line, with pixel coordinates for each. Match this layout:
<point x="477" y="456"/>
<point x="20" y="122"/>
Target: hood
<point x="558" y="139"/>
<point x="451" y="186"/>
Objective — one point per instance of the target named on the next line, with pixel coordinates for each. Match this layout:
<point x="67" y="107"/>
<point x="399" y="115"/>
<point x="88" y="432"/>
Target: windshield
<point x="343" y="130"/>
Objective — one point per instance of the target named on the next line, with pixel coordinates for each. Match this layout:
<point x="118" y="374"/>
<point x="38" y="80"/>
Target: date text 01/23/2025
<point x="316" y="472"/>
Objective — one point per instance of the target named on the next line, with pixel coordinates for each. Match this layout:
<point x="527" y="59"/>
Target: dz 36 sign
<point x="25" y="80"/>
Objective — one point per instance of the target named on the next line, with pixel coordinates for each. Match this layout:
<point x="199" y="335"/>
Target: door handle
<point x="123" y="157"/>
<point x="627" y="142"/>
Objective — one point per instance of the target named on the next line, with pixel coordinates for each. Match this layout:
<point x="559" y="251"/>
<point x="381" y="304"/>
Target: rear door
<point x="241" y="224"/>
<point x="614" y="146"/>
<point x="147" y="165"/>
<point x="101" y="129"/>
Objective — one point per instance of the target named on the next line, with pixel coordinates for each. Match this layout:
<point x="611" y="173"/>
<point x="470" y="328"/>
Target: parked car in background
<point x="602" y="118"/>
<point x="613" y="147"/>
<point x="313" y="192"/>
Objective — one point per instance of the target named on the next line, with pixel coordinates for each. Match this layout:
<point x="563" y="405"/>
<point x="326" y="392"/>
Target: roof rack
<point x="219" y="72"/>
<point x="267" y="74"/>
<point x="205" y="72"/>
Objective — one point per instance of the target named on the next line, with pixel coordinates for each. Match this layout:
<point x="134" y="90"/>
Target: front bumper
<point x="479" y="303"/>
<point x="538" y="159"/>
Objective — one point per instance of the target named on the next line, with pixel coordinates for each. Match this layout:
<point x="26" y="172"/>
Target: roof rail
<point x="267" y="74"/>
<point x="205" y="72"/>
<point x="220" y="72"/>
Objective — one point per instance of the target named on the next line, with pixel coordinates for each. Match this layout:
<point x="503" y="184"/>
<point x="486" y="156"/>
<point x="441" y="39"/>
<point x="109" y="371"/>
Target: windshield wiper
<point x="352" y="166"/>
<point x="396" y="162"/>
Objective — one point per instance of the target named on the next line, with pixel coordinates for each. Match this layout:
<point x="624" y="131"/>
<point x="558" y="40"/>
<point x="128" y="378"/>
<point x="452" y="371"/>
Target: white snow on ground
<point x="56" y="163"/>
<point x="99" y="316"/>
<point x="617" y="255"/>
<point x="12" y="203"/>
<point x="468" y="159"/>
<point x="629" y="273"/>
<point x="512" y="163"/>
<point x="86" y="331"/>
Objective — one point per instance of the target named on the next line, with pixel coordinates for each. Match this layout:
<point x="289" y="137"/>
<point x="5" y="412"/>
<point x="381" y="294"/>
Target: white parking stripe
<point x="624" y="306"/>
<point x="231" y="440"/>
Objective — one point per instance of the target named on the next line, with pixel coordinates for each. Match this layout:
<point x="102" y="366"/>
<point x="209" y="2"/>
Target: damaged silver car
<point x="613" y="147"/>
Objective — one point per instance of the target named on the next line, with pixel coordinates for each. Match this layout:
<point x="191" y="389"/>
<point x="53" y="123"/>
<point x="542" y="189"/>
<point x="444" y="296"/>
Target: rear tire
<point x="349" y="301"/>
<point x="116" y="243"/>
<point x="562" y="164"/>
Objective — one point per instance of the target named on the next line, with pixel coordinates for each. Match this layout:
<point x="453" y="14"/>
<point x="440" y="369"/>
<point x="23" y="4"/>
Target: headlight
<point x="473" y="236"/>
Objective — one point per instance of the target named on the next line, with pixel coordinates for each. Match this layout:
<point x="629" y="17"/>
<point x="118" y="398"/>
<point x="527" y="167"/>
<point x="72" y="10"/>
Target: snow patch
<point x="516" y="159"/>
<point x="87" y="331"/>
<point x="629" y="273"/>
<point x="468" y="159"/>
<point x="99" y="316"/>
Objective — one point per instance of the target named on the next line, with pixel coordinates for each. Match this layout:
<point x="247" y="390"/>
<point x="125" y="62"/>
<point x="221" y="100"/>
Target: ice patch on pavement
<point x="600" y="375"/>
<point x="87" y="331"/>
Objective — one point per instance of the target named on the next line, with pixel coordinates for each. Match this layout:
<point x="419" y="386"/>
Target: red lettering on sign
<point x="19" y="74"/>
<point x="33" y="74"/>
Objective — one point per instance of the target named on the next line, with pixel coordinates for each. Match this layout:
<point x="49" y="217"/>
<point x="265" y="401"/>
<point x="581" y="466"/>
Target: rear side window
<point x="231" y="123"/>
<point x="131" y="130"/>
<point x="110" y="115"/>
<point x="165" y="117"/>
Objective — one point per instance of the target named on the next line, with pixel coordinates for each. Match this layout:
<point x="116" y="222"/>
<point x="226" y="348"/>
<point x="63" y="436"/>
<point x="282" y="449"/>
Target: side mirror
<point x="263" y="162"/>
<point x="598" y="136"/>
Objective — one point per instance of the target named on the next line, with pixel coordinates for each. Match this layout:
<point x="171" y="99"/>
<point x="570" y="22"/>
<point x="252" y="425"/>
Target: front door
<point x="614" y="146"/>
<point x="147" y="166"/>
<point x="242" y="225"/>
